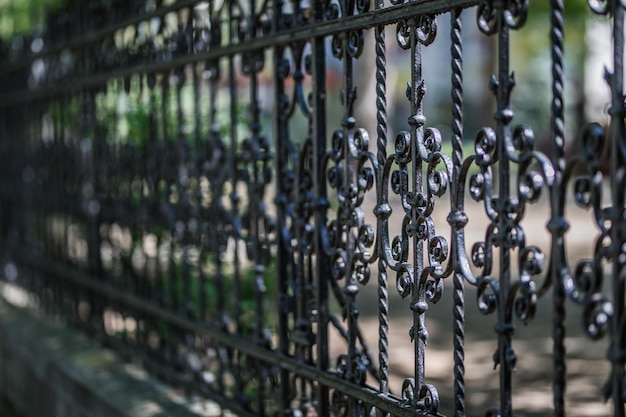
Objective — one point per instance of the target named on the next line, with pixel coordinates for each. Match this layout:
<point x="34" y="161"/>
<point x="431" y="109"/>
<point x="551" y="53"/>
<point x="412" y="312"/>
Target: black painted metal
<point x="149" y="197"/>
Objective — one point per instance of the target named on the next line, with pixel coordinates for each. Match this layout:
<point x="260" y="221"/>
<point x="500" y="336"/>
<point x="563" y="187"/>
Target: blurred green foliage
<point x="18" y="17"/>
<point x="573" y="8"/>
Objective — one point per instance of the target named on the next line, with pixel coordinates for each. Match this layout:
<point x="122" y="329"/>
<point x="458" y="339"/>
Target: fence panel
<point x="213" y="187"/>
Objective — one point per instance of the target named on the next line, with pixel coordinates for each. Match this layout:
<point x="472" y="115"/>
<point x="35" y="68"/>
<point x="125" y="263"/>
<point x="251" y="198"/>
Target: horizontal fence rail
<point x="214" y="187"/>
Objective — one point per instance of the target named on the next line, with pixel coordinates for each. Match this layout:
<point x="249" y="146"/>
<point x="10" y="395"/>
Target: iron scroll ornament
<point x="347" y="239"/>
<point x="403" y="173"/>
<point x="494" y="152"/>
<point x="585" y="284"/>
<point x="493" y="14"/>
<point x="587" y="174"/>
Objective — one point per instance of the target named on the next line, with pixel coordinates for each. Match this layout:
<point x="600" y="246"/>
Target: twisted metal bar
<point x="456" y="49"/>
<point x="558" y="123"/>
<point x="558" y="161"/>
<point x="381" y="117"/>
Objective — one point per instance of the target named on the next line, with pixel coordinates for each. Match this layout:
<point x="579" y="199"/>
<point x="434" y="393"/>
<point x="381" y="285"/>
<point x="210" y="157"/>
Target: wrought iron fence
<point x="172" y="183"/>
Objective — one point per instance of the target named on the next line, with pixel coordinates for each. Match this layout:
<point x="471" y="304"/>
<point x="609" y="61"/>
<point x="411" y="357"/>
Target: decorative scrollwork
<point x="354" y="43"/>
<point x="427" y="397"/>
<point x="334" y="9"/>
<point x="408" y="390"/>
<point x="350" y="43"/>
<point x="487" y="17"/>
<point x="593" y="140"/>
<point x="585" y="285"/>
<point x="505" y="216"/>
<point x="485" y="147"/>
<point x="433" y="289"/>
<point x="424" y="28"/>
<point x="355" y="370"/>
<point x="337" y="46"/>
<point x="523" y="138"/>
<point x="597" y="315"/>
<point x="403" y="34"/>
<point x="358" y="371"/>
<point x="516" y="13"/>
<point x="487" y="296"/>
<point x="295" y="63"/>
<point x="530" y="186"/>
<point x="417" y="154"/>
<point x="362" y="6"/>
<point x="339" y="404"/>
<point x="490" y="15"/>
<point x="404" y="280"/>
<point x="525" y="304"/>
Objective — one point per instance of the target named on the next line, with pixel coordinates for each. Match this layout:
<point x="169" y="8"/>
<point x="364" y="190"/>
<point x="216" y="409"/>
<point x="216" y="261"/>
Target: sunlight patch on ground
<point x="15" y="295"/>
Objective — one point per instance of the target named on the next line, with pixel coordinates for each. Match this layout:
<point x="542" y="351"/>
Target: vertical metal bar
<point x="503" y="116"/>
<point x="59" y="172"/>
<point x="350" y="288"/>
<point x="282" y="256"/>
<point x="215" y="204"/>
<point x="216" y="184"/>
<point x="456" y="52"/>
<point x="322" y="265"/>
<point x="617" y="136"/>
<point x="233" y="17"/>
<point x="153" y="168"/>
<point x="383" y="210"/>
<point x="198" y="155"/>
<point x="182" y="287"/>
<point x="416" y="123"/>
<point x="168" y="178"/>
<point x="55" y="182"/>
<point x="89" y="195"/>
<point x="166" y="343"/>
<point x="558" y="224"/>
<point x="234" y="198"/>
<point x="257" y="182"/>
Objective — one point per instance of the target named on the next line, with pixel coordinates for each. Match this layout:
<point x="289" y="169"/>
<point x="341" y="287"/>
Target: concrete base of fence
<point x="49" y="370"/>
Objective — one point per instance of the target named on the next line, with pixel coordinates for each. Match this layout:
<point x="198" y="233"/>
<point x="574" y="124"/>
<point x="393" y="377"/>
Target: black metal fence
<point x="173" y="181"/>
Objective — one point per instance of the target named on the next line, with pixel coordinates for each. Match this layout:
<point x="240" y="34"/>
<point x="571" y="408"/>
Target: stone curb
<point x="49" y="370"/>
